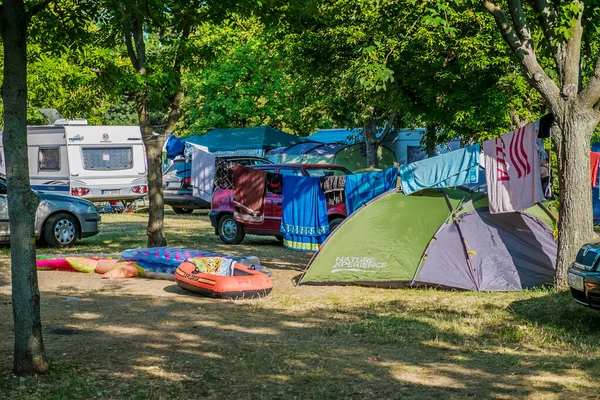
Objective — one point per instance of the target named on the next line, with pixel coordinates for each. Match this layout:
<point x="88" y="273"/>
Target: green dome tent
<point x="350" y="156"/>
<point x="443" y="239"/>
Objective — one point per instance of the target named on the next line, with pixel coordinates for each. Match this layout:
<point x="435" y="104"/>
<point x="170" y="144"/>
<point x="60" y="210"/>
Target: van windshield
<point x="113" y="158"/>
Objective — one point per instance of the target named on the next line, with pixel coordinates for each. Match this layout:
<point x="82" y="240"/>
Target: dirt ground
<point x="148" y="339"/>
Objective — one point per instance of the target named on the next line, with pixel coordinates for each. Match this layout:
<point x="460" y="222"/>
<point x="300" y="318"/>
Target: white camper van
<point x="97" y="163"/>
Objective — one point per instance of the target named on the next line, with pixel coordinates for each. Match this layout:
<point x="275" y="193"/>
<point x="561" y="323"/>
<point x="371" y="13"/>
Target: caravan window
<point x="113" y="158"/>
<point x="49" y="159"/>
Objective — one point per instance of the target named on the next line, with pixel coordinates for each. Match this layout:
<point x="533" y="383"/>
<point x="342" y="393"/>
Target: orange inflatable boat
<point x="222" y="278"/>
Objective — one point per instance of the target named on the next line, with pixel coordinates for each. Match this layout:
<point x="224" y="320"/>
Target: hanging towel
<point x="594" y="164"/>
<point x="362" y="188"/>
<point x="459" y="167"/>
<point x="304" y="219"/>
<point x="334" y="189"/>
<point x="203" y="172"/>
<point x="512" y="169"/>
<point x="174" y="147"/>
<point x="249" y="190"/>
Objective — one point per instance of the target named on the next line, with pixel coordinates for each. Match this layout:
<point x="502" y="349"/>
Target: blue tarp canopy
<point x="236" y="139"/>
<point x="340" y="135"/>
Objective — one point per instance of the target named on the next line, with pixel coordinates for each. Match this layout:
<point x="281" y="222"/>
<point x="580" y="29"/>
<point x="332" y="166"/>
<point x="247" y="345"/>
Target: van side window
<point x="49" y="159"/>
<point x="3" y="188"/>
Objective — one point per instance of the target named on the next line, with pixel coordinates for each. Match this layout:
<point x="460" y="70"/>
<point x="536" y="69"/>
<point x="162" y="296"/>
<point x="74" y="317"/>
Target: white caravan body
<point x="97" y="163"/>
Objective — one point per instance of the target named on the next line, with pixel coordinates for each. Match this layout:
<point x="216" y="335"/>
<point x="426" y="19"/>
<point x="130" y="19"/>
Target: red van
<point x="232" y="232"/>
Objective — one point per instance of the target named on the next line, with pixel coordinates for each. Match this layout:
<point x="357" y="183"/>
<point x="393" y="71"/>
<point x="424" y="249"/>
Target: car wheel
<point x="61" y="230"/>
<point x="230" y="230"/>
<point x="334" y="223"/>
<point x="178" y="210"/>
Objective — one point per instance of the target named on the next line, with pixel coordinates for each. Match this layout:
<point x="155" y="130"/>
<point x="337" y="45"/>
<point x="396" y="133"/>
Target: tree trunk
<point x="156" y="212"/>
<point x="29" y="355"/>
<point x="431" y="139"/>
<point x="572" y="136"/>
<point x="174" y="111"/>
<point x="370" y="134"/>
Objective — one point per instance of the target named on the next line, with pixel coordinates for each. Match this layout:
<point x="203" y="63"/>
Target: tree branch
<point x="140" y="45"/>
<point x="590" y="95"/>
<point x="525" y="53"/>
<point x="519" y="22"/>
<point x="129" y="42"/>
<point x="571" y="71"/>
<point x="547" y="20"/>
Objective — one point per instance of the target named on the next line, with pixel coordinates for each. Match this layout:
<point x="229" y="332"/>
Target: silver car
<point x="60" y="220"/>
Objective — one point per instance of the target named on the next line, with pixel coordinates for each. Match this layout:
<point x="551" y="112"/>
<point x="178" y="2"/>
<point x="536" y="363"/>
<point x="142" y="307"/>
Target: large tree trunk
<point x="156" y="212"/>
<point x="572" y="137"/>
<point x="29" y="356"/>
<point x="370" y="134"/>
<point x="133" y="29"/>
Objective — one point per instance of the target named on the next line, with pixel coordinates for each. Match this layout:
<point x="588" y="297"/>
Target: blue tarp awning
<point x="258" y="138"/>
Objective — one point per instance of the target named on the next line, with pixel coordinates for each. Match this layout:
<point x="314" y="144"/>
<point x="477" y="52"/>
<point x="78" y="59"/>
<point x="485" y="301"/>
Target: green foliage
<point x="243" y="80"/>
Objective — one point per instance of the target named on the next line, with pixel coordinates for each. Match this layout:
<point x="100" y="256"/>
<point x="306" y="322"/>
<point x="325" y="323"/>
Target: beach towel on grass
<point x="249" y="191"/>
<point x="362" y="188"/>
<point x="304" y="222"/>
<point x="459" y="167"/>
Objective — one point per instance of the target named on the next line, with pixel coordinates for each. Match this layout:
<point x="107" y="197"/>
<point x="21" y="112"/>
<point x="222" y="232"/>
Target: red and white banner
<point x="512" y="169"/>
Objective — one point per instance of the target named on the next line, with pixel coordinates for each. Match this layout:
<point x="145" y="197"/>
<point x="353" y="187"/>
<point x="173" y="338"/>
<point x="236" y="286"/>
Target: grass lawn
<point x="147" y="339"/>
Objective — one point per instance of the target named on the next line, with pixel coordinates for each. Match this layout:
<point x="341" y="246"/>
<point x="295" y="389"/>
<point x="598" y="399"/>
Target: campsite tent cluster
<point x="442" y="238"/>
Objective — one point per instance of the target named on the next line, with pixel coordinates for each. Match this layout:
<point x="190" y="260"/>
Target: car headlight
<point x="91" y="209"/>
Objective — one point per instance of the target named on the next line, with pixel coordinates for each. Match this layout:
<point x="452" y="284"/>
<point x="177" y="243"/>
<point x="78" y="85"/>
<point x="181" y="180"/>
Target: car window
<point x="318" y="172"/>
<point x="3" y="187"/>
<point x="587" y="258"/>
<point x="244" y="162"/>
<point x="176" y="168"/>
<point x="49" y="159"/>
<point x="290" y="171"/>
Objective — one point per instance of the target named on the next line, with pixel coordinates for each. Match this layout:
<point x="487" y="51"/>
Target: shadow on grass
<point x="189" y="347"/>
<point x="559" y="314"/>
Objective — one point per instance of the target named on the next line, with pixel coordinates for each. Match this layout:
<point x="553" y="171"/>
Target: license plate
<point x="112" y="191"/>
<point x="576" y="281"/>
<point x="173" y="184"/>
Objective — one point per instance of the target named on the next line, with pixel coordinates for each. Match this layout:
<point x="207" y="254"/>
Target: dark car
<point x="177" y="183"/>
<point x="60" y="221"/>
<point x="232" y="232"/>
<point x="584" y="276"/>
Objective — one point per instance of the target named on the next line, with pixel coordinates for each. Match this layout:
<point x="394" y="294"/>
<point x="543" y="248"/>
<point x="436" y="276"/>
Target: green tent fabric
<point x="427" y="239"/>
<point x="255" y="141"/>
